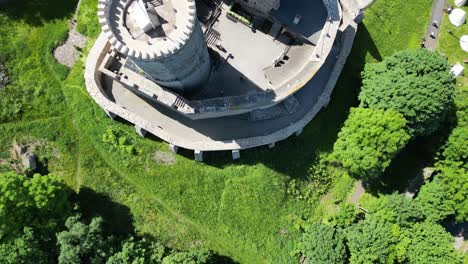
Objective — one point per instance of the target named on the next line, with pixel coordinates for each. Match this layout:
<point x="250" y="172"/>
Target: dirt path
<point x="359" y="191"/>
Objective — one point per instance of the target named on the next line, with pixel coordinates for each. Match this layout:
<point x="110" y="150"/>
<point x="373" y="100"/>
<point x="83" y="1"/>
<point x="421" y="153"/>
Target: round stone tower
<point x="162" y="38"/>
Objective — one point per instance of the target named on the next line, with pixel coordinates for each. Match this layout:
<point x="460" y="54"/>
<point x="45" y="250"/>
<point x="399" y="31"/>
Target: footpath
<point x="432" y="33"/>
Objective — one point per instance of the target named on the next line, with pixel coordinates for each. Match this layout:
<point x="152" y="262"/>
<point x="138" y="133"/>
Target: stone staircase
<point x="180" y="102"/>
<point x="154" y="3"/>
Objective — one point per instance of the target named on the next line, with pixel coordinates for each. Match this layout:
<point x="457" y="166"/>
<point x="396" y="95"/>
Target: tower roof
<point x="147" y="29"/>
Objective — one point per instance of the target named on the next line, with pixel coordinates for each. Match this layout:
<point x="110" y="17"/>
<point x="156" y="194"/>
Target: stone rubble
<point x="68" y="53"/>
<point x="4" y="78"/>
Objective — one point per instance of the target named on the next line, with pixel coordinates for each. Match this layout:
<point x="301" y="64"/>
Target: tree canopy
<point x="370" y="241"/>
<point x="430" y="243"/>
<point x="417" y="83"/>
<point x="40" y="202"/>
<point x="81" y="242"/>
<point x="87" y="243"/>
<point x="322" y="244"/>
<point x="396" y="209"/>
<point x="138" y="252"/>
<point x="369" y="140"/>
<point x="24" y="248"/>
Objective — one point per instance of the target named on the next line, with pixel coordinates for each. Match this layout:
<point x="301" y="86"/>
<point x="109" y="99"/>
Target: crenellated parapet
<point x="112" y="16"/>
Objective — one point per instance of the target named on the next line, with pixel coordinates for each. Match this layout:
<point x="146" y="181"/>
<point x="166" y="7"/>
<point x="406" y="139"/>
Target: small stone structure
<point x="154" y="74"/>
<point x="28" y="159"/>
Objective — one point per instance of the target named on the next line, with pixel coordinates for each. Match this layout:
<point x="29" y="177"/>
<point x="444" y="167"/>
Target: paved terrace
<point x="252" y="52"/>
<point x="252" y="68"/>
<point x="217" y="129"/>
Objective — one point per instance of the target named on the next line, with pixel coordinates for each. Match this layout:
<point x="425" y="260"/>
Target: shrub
<point x="119" y="141"/>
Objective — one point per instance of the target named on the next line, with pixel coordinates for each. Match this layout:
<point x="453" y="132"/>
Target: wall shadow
<point x="405" y="173"/>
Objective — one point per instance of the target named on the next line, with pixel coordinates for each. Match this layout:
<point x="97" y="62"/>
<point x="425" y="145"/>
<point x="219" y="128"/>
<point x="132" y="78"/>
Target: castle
<point x="212" y="75"/>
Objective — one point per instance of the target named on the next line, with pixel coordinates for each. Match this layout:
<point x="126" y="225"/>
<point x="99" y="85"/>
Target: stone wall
<point x="183" y="70"/>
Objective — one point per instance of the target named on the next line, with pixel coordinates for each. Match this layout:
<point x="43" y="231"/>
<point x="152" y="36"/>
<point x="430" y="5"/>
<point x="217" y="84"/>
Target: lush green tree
<point x="371" y="241"/>
<point x="83" y="243"/>
<point x="23" y="249"/>
<point x="194" y="256"/>
<point x="40" y="202"/>
<point x="138" y="252"/>
<point x="435" y="201"/>
<point x="445" y="195"/>
<point x="417" y="83"/>
<point x="369" y="140"/>
<point x="430" y="243"/>
<point x="14" y="203"/>
<point x="456" y="181"/>
<point x="50" y="196"/>
<point x="322" y="244"/>
<point x="456" y="149"/>
<point x="396" y="209"/>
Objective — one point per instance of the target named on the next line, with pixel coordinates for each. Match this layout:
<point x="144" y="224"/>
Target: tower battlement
<point x="162" y="37"/>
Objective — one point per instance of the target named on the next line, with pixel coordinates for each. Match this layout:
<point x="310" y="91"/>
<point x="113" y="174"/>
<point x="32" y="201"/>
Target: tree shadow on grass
<point x="295" y="155"/>
<point x="118" y="220"/>
<point x="117" y="217"/>
<point x="405" y="173"/>
<point x="35" y="12"/>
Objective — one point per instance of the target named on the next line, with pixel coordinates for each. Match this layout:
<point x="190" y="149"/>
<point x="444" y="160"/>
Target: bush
<point x="322" y="244"/>
<point x="369" y="140"/>
<point x="119" y="141"/>
<point x="417" y="83"/>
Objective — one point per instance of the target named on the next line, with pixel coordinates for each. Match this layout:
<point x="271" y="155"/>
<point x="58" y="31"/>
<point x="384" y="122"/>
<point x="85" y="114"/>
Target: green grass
<point x="240" y="209"/>
<point x="449" y="43"/>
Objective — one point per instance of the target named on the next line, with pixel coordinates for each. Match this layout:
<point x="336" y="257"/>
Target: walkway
<point x="437" y="15"/>
<point x="358" y="192"/>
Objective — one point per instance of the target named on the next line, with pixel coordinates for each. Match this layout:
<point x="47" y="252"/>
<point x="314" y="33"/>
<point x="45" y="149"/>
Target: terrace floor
<point x="252" y="51"/>
<point x="244" y="58"/>
<point x="218" y="129"/>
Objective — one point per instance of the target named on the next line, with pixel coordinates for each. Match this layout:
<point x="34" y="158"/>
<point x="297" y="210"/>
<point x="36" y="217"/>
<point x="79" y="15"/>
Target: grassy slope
<point x="239" y="209"/>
